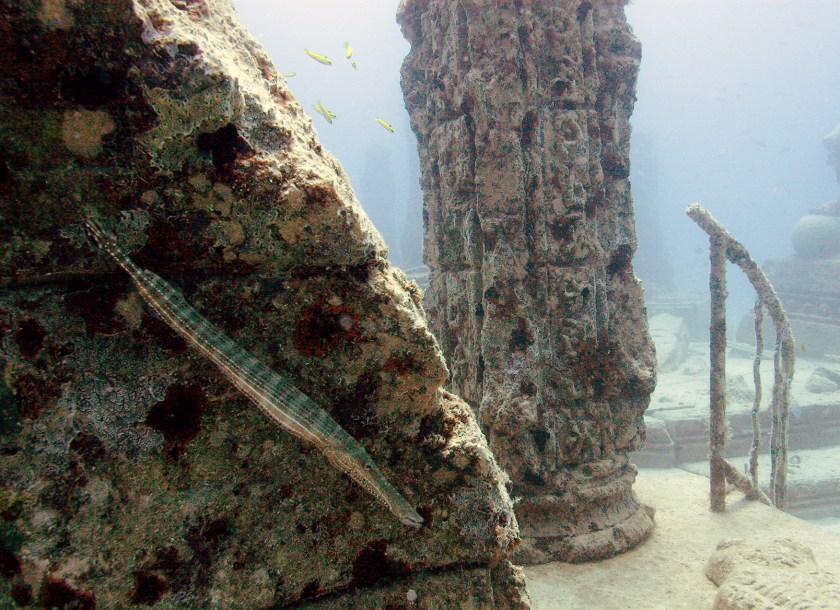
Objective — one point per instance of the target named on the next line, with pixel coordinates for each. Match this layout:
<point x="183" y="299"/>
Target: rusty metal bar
<point x="723" y="244"/>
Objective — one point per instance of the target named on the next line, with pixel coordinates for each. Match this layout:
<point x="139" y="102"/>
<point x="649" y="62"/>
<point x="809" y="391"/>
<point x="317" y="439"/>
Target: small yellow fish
<point x="353" y="63"/>
<point x="323" y="59"/>
<point x="321" y="109"/>
<point x="287" y="74"/>
<point x="348" y="50"/>
<point x="385" y="124"/>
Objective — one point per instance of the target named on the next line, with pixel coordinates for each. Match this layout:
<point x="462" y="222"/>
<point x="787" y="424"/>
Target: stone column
<point x="522" y="110"/>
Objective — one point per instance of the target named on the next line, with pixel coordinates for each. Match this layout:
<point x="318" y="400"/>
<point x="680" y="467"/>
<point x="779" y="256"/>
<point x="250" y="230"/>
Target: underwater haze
<point x="382" y="166"/>
<point x="734" y="99"/>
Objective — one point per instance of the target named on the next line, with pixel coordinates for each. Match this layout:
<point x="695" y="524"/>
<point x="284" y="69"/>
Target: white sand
<point x="667" y="571"/>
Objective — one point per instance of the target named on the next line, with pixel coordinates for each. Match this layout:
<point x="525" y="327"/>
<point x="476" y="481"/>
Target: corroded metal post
<point x="725" y="246"/>
<point x="717" y="374"/>
<point x="756" y="424"/>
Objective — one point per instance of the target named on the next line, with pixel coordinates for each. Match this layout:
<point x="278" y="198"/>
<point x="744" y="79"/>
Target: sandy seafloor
<point x="668" y="570"/>
<point x="681" y="403"/>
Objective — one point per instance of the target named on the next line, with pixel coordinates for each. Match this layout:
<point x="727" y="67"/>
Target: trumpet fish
<point x="275" y="395"/>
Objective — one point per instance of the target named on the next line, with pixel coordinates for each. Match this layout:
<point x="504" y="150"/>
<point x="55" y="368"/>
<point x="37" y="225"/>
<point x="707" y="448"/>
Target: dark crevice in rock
<point x="373" y="564"/>
<point x="355" y="410"/>
<point x="57" y="593"/>
<point x="178" y="417"/>
<point x="583" y="11"/>
<point x="93" y="86"/>
<point x="148" y="588"/>
<point x="390" y="574"/>
<point x="30" y="338"/>
<point x="225" y="145"/>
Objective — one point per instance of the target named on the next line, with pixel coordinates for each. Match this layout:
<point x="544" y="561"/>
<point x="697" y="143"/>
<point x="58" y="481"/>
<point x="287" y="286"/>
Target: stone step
<point x="813" y="478"/>
<point x="674" y="441"/>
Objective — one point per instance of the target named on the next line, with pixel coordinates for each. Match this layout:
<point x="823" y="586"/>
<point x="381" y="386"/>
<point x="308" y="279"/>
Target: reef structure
<point x="132" y="473"/>
<point x="521" y="111"/>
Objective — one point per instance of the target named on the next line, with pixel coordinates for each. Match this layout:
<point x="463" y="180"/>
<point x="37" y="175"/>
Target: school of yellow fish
<point x="319" y="106"/>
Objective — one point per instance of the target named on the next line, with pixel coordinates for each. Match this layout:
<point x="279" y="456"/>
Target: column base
<point x="594" y="518"/>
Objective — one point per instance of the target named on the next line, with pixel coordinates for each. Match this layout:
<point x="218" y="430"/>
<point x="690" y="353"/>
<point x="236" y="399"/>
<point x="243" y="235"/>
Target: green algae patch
<point x="181" y="120"/>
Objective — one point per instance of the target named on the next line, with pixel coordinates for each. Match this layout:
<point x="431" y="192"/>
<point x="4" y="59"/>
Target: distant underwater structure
<point x="809" y="281"/>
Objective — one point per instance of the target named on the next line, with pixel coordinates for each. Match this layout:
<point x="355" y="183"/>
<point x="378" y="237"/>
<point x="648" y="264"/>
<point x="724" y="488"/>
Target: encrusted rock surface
<point x="764" y="573"/>
<point x="131" y="471"/>
<point x="522" y="115"/>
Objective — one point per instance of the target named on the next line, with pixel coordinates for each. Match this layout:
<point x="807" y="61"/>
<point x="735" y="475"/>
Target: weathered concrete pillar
<point x="132" y="473"/>
<point x="522" y="115"/>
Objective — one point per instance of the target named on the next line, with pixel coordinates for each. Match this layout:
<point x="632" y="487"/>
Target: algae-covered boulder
<point x="132" y="472"/>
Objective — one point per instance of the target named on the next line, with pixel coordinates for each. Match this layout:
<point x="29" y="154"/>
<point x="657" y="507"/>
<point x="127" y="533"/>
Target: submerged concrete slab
<point x="681" y="403"/>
